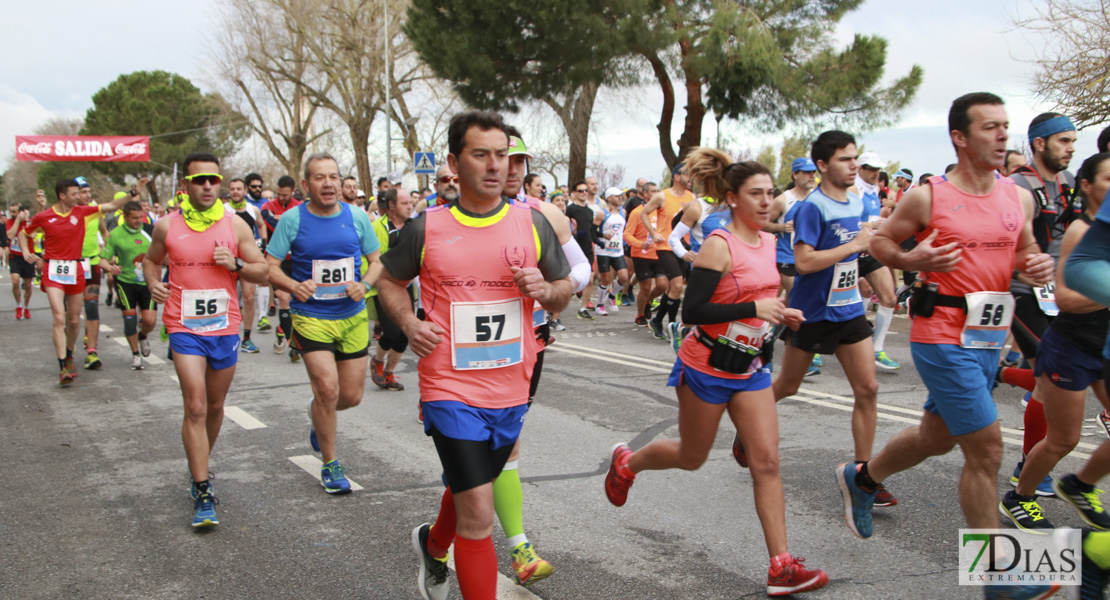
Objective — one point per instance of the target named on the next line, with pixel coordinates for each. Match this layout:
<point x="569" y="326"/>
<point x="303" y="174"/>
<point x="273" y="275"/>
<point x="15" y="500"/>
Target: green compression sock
<point x="508" y="501"/>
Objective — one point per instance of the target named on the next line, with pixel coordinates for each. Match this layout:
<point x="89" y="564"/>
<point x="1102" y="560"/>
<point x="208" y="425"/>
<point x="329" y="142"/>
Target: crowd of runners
<point x="474" y="276"/>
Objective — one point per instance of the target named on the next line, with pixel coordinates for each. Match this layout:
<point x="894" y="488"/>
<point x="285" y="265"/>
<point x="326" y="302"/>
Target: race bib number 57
<point x="486" y="335"/>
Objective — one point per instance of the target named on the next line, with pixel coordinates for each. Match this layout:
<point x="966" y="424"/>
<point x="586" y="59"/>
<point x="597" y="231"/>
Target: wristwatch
<point x="239" y="264"/>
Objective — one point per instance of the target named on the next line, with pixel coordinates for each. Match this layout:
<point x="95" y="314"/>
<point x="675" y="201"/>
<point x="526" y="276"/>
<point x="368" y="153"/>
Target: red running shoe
<point x="619" y="478"/>
<point x="377" y="372"/>
<point x="18" y="313"/>
<point x="791" y="577"/>
<point x="883" y="497"/>
<point x="738" y="452"/>
<point x="26" y="313"/>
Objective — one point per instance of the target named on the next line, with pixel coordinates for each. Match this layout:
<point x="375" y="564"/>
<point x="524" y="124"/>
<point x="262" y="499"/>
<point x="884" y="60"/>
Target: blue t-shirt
<point x="327" y="250"/>
<point x="824" y="223"/>
<point x="872" y="206"/>
<point x="784" y="242"/>
<point x="711" y="220"/>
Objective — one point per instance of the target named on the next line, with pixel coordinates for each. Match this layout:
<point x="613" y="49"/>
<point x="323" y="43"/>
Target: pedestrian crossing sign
<point x="425" y="163"/>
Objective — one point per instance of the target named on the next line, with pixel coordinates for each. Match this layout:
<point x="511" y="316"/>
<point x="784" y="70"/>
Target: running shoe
<point x="614" y="306"/>
<point x="71" y="367"/>
<point x="882" y="361"/>
<point x="812" y="371"/>
<point x="432" y="577"/>
<point x="37" y="281"/>
<point x="817" y="360"/>
<point x="794" y="578"/>
<point x="164" y="334"/>
<point x="193" y="486"/>
<point x="392" y="384"/>
<point x="584" y="313"/>
<point x="1087" y="504"/>
<point x="377" y="372"/>
<point x="248" y="347"/>
<point x="204" y="510"/>
<point x="280" y="345"/>
<point x="264" y="324"/>
<point x="1104" y="420"/>
<point x="857" y="502"/>
<point x="590" y="304"/>
<point x="1044" y="488"/>
<point x="601" y="312"/>
<point x="108" y="298"/>
<point x="674" y="335"/>
<point x="272" y="311"/>
<point x="333" y="479"/>
<point x="654" y="304"/>
<point x="136" y="362"/>
<point x="294" y="355"/>
<point x="738" y="451"/>
<point x="92" y="361"/>
<point x="65" y="377"/>
<point x="657" y="330"/>
<point x="18" y="313"/>
<point x="1012" y="358"/>
<point x="619" y="478"/>
<point x="1026" y="515"/>
<point x="557" y="325"/>
<point x="1019" y="592"/>
<point x="26" y="313"/>
<point x="883" y="498"/>
<point x="641" y="321"/>
<point x="528" y="567"/>
<point x="1025" y="399"/>
<point x="312" y="441"/>
<point x="144" y="347"/>
<point x="85" y="343"/>
<point x="620" y="299"/>
<point x="1096" y="571"/>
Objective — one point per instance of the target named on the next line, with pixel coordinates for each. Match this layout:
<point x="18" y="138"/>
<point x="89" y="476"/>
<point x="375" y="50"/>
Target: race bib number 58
<point x="486" y="335"/>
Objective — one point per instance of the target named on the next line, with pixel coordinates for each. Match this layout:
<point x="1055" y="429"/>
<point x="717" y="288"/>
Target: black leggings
<point x="392" y="337"/>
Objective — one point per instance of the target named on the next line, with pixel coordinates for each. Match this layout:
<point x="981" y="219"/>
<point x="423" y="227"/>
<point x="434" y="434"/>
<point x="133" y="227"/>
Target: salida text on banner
<point x="99" y="148"/>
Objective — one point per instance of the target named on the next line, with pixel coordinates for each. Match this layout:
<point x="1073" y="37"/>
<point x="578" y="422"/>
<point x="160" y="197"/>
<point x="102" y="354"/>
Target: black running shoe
<point x="1025" y="514"/>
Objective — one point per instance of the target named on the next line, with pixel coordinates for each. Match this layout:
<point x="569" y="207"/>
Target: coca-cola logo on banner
<point x="82" y="148"/>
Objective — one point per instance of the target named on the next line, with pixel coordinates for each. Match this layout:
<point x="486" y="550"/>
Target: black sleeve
<point x="404" y="258"/>
<point x="698" y="310"/>
<point x="552" y="262"/>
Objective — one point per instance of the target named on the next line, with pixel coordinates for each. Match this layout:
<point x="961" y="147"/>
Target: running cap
<point x="394" y="178"/>
<point x="803" y="164"/>
<point x="1043" y="129"/>
<point x="679" y="168"/>
<point x="613" y="191"/>
<point x="904" y="174"/>
<point x="517" y="147"/>
<point x="871" y="159"/>
<point x="82" y="183"/>
<point x="360" y="194"/>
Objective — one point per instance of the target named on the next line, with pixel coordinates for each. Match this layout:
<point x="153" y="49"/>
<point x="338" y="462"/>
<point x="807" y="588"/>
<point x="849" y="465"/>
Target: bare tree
<point x="1073" y="65"/>
<point x="281" y="112"/>
<point x="608" y="175"/>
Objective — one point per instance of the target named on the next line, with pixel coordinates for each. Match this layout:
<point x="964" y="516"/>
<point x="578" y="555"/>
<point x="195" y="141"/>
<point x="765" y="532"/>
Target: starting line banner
<point x="130" y="148"/>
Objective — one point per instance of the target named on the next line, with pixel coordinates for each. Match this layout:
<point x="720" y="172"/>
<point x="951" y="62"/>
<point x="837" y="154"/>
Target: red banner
<point x="131" y="148"/>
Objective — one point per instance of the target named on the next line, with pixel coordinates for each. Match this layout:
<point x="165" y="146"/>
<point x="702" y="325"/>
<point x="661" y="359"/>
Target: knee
<point x="1060" y="443"/>
<point x="327" y="391"/>
<point x="764" y="467"/>
<point x="783" y="389"/>
<point x="987" y="457"/>
<point x="866" y="392"/>
<point x="195" y="410"/>
<point x="350" y="399"/>
<point x="691" y="461"/>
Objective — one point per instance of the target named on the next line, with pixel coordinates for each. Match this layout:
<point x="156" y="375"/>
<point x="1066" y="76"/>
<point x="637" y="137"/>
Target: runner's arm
<point x="777" y="208"/>
<point x="807" y="259"/>
<point x="1087" y="270"/>
<point x="152" y="263"/>
<point x="1066" y="298"/>
<point x="255" y="269"/>
<point x="912" y="216"/>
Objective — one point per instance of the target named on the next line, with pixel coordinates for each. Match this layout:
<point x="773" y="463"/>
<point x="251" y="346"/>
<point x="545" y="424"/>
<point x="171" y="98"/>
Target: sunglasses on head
<point x="446" y="179"/>
<point x="203" y="178"/>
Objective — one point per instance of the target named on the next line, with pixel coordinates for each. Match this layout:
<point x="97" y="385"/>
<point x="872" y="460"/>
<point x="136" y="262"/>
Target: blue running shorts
<point x="222" y="351"/>
<point x="959" y="381"/>
<point x="716" y="390"/>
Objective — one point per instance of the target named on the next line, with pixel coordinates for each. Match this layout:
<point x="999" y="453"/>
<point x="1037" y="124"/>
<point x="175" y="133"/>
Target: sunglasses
<point x="255" y="185"/>
<point x="203" y="178"/>
<point x="448" y="179"/>
<point x="581" y="191"/>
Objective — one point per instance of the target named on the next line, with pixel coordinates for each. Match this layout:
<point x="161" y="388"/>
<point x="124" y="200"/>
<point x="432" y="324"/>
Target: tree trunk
<point x="360" y="138"/>
<point x="695" y="108"/>
<point x="666" y="115"/>
<point x="575" y="115"/>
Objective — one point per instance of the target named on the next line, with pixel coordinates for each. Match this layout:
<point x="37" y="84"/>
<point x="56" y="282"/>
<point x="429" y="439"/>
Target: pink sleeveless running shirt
<point x="202" y="300"/>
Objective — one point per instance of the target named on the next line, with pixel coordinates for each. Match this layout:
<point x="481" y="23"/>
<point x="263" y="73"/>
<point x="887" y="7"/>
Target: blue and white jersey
<point x="784" y="241"/>
<point x="831" y="294"/>
<point x="712" y="219"/>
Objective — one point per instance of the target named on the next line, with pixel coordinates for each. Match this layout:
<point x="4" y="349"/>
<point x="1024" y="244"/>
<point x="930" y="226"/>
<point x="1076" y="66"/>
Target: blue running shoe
<point x="312" y="441"/>
<point x="1019" y="592"/>
<point x="204" y="510"/>
<point x="193" y="486"/>
<point x="675" y="334"/>
<point x="812" y="371"/>
<point x="857" y="503"/>
<point x="333" y="479"/>
<point x="248" y="347"/>
<point x="1044" y="488"/>
<point x="817" y="361"/>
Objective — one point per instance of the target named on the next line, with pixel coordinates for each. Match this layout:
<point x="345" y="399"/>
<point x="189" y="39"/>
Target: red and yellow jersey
<point x="63" y="233"/>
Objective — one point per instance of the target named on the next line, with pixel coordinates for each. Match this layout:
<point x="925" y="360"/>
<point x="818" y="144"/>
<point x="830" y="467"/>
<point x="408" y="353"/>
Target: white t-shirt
<point x="614" y="246"/>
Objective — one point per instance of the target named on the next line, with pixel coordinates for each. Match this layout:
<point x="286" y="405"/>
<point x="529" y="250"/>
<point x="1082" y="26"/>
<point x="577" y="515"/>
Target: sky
<point x="962" y="46"/>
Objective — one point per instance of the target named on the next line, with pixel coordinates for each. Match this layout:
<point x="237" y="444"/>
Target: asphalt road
<point x="96" y="503"/>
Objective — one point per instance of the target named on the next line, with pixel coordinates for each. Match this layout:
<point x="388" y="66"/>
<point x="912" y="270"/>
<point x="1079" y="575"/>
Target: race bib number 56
<point x="204" y="310"/>
<point x="486" y="335"/>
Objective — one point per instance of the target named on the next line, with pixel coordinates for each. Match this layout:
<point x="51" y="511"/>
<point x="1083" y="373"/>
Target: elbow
<point x="690" y="313"/>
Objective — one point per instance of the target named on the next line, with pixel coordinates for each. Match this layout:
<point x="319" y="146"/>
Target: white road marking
<point x="618" y="355"/>
<point x="312" y="465"/>
<point x="104" y="327"/>
<point x="843" y="403"/>
<point x="154" y="360"/>
<point x="241" y="418"/>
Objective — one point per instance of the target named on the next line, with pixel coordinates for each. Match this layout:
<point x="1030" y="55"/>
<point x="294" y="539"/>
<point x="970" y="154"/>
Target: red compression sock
<point x="442" y="534"/>
<point x="1023" y="378"/>
<point x="476" y="566"/>
<point x="1035" y="426"/>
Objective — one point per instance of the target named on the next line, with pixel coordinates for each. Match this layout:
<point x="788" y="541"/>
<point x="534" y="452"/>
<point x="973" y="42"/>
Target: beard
<point x="1054" y="161"/>
<point x="450" y="194"/>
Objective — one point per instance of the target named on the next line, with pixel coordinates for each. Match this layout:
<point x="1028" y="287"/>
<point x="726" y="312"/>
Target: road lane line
<point x="607" y="359"/>
<point x="615" y="354"/>
<point x="312" y="465"/>
<point x="241" y="418"/>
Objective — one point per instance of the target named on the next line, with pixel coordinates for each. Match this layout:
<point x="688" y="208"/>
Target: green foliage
<point x="792" y="147"/>
<point x="155" y="103"/>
